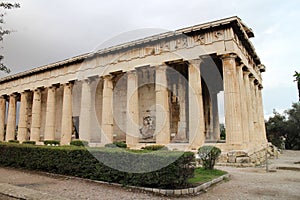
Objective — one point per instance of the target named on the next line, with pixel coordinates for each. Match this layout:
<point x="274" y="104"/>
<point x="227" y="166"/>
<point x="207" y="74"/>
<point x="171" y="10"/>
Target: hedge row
<point x="105" y="164"/>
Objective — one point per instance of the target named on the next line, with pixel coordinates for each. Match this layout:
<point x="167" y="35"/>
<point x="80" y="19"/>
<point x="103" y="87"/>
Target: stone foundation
<point x="247" y="158"/>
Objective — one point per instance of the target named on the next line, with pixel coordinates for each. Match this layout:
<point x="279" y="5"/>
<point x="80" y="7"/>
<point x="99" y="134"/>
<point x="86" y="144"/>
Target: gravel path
<point x="245" y="183"/>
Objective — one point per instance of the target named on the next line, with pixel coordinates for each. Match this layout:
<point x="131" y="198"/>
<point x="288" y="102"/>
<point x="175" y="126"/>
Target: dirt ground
<point x="245" y="183"/>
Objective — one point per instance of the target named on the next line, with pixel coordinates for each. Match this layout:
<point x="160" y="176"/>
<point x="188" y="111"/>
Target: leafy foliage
<point x="13" y="141"/>
<point x="280" y="127"/>
<point x="117" y="145"/>
<point x="222" y="132"/>
<point x="29" y="142"/>
<point x="155" y="147"/>
<point x="51" y="142"/>
<point x="208" y="156"/>
<point x="79" y="143"/>
<point x="3" y="31"/>
<point x="81" y="162"/>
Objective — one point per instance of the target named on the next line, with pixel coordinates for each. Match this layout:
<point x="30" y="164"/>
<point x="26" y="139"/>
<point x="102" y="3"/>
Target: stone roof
<point x="239" y="27"/>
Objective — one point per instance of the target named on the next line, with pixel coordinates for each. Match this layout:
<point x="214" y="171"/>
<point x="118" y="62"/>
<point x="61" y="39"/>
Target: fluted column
<point x="244" y="108"/>
<point x="162" y="125"/>
<point x="22" y="125"/>
<point x="248" y="102"/>
<point x="254" y="111"/>
<point x="107" y="110"/>
<point x="11" y="118"/>
<point x="85" y="111"/>
<point x="232" y="100"/>
<point x="66" y="121"/>
<point x="50" y="114"/>
<point x="2" y="117"/>
<point x="215" y="112"/>
<point x="261" y="114"/>
<point x="132" y="122"/>
<point x="196" y="110"/>
<point x="36" y="116"/>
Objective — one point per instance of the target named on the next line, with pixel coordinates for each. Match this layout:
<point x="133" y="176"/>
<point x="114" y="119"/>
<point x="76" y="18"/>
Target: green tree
<point x="297" y="79"/>
<point x="276" y="128"/>
<point x="3" y="31"/>
<point x="293" y="127"/>
<point x="285" y="126"/>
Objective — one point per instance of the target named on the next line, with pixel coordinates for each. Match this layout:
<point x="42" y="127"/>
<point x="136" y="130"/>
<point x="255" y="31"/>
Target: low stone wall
<point x="244" y="158"/>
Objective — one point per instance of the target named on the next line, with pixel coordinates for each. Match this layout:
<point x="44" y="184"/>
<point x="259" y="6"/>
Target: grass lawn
<point x="201" y="175"/>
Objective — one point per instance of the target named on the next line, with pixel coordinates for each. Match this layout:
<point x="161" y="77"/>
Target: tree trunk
<point x="299" y="89"/>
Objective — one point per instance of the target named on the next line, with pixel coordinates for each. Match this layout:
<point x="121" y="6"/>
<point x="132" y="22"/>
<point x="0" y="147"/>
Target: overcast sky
<point x="50" y="31"/>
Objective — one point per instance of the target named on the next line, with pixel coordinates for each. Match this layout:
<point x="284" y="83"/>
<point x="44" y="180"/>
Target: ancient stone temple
<point x="164" y="89"/>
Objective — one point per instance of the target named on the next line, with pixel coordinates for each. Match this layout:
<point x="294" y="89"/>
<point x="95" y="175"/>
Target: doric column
<point x="196" y="111"/>
<point x="248" y="102"/>
<point x="107" y="110"/>
<point x="132" y="111"/>
<point x="36" y="116"/>
<point x="232" y="100"/>
<point x="2" y="117"/>
<point x="244" y="108"/>
<point x="254" y="111"/>
<point x="215" y="112"/>
<point x="50" y="114"/>
<point x="261" y="114"/>
<point x="11" y="118"/>
<point x="66" y="121"/>
<point x="85" y="111"/>
<point x="182" y="95"/>
<point x="162" y="119"/>
<point x="22" y="125"/>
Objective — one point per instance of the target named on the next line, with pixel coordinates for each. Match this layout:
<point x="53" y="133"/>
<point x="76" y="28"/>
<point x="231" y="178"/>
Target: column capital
<point x="246" y="73"/>
<point x="24" y="92"/>
<point x="132" y="74"/>
<point x="37" y="90"/>
<point x="229" y="56"/>
<point x="240" y="66"/>
<point x="197" y="61"/>
<point x="107" y="77"/>
<point x="14" y="95"/>
<point x="54" y="86"/>
<point x="161" y="67"/>
<point x="86" y="80"/>
<point x="68" y="84"/>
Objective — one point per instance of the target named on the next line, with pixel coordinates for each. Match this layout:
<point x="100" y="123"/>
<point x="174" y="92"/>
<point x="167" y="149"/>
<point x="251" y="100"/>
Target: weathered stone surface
<point x="177" y="192"/>
<point x="243" y="160"/>
<point x="231" y="159"/>
<point x="237" y="153"/>
<point x="184" y="191"/>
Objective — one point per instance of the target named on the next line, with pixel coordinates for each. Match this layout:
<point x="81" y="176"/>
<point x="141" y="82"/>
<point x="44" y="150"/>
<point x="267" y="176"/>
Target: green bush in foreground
<point x="13" y="141"/>
<point x="155" y="147"/>
<point x="81" y="162"/>
<point x="116" y="145"/>
<point x="79" y="143"/>
<point x="29" y="142"/>
<point x="208" y="156"/>
<point x="51" y="142"/>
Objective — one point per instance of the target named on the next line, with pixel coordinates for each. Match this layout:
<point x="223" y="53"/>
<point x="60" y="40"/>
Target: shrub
<point x="29" y="142"/>
<point x="155" y="147"/>
<point x="13" y="141"/>
<point x="79" y="143"/>
<point x="116" y="144"/>
<point x="82" y="162"/>
<point x="51" y="142"/>
<point x="208" y="156"/>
